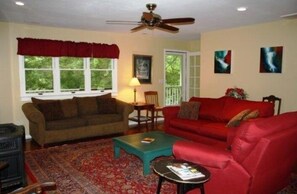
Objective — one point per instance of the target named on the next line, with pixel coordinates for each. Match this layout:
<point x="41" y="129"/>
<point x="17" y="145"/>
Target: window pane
<point x="39" y="81"/>
<point x="71" y="63"/>
<point x="101" y="80"/>
<point x="72" y="80"/>
<point x="100" y="63"/>
<point x="38" y="62"/>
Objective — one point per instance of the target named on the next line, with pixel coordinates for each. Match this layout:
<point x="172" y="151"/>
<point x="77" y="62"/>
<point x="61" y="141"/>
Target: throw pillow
<point x="235" y="121"/>
<point x="87" y="105"/>
<point x="251" y="115"/>
<point x="51" y="110"/>
<point x="37" y="101"/>
<point x="189" y="110"/>
<point x="107" y="105"/>
<point x="69" y="108"/>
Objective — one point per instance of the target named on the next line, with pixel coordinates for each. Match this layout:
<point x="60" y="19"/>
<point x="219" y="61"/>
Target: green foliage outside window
<point x="173" y="70"/>
<point x="38" y="74"/>
<point x="72" y="73"/>
<point x="101" y="74"/>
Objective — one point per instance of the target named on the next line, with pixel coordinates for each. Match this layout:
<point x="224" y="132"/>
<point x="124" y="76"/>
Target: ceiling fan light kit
<point x="151" y="21"/>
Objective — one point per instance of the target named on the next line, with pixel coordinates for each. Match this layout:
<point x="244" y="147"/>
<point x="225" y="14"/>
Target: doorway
<point x="182" y="76"/>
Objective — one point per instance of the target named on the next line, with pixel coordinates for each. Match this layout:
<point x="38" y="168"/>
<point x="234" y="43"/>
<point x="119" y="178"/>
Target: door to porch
<point x="182" y="80"/>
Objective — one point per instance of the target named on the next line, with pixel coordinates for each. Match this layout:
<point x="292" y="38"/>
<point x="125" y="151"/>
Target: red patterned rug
<point x="90" y="167"/>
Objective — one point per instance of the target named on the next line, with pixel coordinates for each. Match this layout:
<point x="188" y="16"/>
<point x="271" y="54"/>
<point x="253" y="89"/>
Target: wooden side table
<point x="183" y="186"/>
<point x="139" y="106"/>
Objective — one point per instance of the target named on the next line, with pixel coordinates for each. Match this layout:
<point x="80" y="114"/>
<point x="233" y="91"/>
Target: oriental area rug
<point x="90" y="168"/>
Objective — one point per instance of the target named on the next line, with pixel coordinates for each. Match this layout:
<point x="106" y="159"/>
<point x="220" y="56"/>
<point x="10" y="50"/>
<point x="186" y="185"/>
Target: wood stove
<point x="12" y="152"/>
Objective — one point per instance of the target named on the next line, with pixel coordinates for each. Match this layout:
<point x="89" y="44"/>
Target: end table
<point x="143" y="106"/>
<point x="183" y="186"/>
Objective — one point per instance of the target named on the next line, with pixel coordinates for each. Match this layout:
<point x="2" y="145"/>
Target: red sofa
<point x="214" y="114"/>
<point x="262" y="156"/>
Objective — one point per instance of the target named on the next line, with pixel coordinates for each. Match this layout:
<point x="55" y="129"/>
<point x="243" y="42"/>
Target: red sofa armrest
<point x="202" y="154"/>
<point x="169" y="112"/>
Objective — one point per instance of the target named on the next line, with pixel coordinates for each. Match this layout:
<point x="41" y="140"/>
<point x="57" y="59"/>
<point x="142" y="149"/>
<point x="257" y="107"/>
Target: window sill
<point x="68" y="95"/>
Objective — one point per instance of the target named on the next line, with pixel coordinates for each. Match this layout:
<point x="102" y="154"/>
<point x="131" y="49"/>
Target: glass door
<point x="175" y="66"/>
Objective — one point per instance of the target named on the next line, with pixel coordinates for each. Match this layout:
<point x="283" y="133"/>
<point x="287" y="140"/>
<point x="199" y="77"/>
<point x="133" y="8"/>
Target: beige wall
<point x="6" y="103"/>
<point x="245" y="43"/>
<point x="129" y="44"/>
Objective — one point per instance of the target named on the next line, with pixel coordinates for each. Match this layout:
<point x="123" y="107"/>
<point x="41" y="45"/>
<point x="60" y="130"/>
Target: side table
<point x="183" y="186"/>
<point x="138" y="106"/>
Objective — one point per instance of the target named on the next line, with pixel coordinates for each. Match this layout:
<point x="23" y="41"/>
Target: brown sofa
<point x="52" y="121"/>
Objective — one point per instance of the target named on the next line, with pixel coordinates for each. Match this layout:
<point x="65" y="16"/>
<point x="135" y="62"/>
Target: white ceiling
<point x="92" y="14"/>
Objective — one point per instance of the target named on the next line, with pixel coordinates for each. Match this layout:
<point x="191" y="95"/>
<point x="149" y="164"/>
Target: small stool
<point x="183" y="186"/>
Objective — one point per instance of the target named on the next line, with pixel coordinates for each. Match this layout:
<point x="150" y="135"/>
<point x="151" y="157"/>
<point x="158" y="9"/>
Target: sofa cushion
<point x="202" y="127"/>
<point x="233" y="106"/>
<point x="107" y="105"/>
<point x="235" y="121"/>
<point x="66" y="124"/>
<point x="51" y="110"/>
<point x="69" y="108"/>
<point x="102" y="118"/>
<point x="87" y="105"/>
<point x="189" y="110"/>
<point x="210" y="108"/>
<point x="249" y="133"/>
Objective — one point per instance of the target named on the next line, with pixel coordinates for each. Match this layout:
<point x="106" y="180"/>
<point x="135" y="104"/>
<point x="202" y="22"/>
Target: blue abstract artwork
<point x="271" y="59"/>
<point x="222" y="61"/>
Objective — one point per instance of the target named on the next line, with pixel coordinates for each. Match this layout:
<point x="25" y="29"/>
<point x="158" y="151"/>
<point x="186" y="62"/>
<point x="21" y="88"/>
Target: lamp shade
<point x="134" y="82"/>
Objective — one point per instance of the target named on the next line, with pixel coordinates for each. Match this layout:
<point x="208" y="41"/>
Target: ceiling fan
<point x="151" y="20"/>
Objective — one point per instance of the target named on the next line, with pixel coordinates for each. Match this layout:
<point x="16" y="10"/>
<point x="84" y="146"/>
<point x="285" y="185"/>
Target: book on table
<point x="147" y="140"/>
<point x="185" y="171"/>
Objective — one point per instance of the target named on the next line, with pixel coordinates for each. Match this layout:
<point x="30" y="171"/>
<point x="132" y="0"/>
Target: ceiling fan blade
<point x="121" y="22"/>
<point x="179" y="21"/>
<point x="148" y="16"/>
<point x="167" y="27"/>
<point x="140" y="27"/>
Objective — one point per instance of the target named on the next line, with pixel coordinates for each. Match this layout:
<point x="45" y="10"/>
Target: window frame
<point x="56" y="82"/>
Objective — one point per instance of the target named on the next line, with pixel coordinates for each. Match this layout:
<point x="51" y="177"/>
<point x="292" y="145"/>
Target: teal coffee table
<point x="161" y="146"/>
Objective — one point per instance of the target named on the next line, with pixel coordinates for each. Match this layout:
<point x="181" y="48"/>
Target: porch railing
<point x="173" y="95"/>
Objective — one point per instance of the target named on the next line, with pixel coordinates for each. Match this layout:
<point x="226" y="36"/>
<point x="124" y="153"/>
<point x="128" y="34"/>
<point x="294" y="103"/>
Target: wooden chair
<point x="151" y="97"/>
<point x="273" y="99"/>
<point x="36" y="188"/>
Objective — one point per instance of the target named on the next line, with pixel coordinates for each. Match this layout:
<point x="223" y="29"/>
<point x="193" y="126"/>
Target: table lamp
<point x="134" y="82"/>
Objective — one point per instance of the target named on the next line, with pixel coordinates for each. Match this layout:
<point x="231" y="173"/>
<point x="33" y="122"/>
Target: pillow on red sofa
<point x="235" y="121"/>
<point x="189" y="110"/>
<point x="252" y="115"/>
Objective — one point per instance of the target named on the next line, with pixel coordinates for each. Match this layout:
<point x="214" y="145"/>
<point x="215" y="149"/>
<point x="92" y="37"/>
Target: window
<point x="57" y="76"/>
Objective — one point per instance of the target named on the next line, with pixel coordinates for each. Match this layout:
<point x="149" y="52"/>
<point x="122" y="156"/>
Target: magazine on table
<point x="185" y="171"/>
<point x="147" y="140"/>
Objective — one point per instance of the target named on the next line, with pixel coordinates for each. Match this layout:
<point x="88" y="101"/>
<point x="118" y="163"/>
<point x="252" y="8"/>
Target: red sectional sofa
<point x="262" y="156"/>
<point x="214" y="113"/>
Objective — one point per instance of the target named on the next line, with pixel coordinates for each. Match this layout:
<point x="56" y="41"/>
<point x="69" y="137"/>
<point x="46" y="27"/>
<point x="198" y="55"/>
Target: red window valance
<point x="58" y="48"/>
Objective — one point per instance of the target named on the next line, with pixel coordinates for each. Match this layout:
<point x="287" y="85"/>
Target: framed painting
<point x="271" y="59"/>
<point x="222" y="61"/>
<point x="142" y="68"/>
